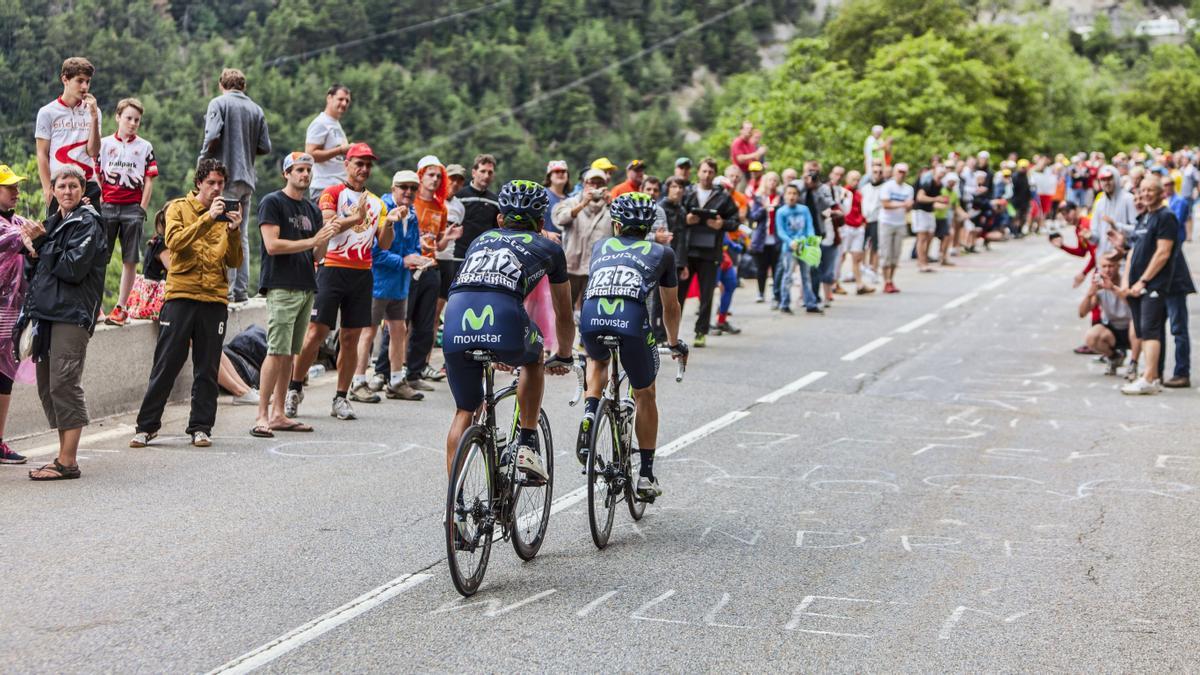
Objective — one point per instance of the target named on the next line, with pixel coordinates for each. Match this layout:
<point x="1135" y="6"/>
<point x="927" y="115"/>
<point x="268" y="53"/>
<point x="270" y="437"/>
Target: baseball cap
<point x="603" y="164"/>
<point x="456" y="170"/>
<point x="428" y="161"/>
<point x="294" y="158"/>
<point x="1106" y="172"/>
<point x="360" y="150"/>
<point x="1022" y="163"/>
<point x="405" y="176"/>
<point x="755" y="166"/>
<point x="8" y="177"/>
<point x="984" y="154"/>
<point x="635" y="164"/>
<point x="556" y="165"/>
<point x="683" y="161"/>
<point x="594" y="173"/>
<point x="1006" y="172"/>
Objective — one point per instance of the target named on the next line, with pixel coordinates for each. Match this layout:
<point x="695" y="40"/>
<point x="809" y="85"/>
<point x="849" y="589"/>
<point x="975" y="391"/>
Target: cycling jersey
<point x="629" y="267"/>
<point x="352" y="247"/>
<point x="125" y="164"/>
<point x="68" y="129"/>
<point x="510" y="261"/>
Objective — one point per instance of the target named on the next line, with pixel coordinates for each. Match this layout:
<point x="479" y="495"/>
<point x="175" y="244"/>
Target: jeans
<point x="1178" y="316"/>
<point x="239" y="279"/>
<point x="792" y="268"/>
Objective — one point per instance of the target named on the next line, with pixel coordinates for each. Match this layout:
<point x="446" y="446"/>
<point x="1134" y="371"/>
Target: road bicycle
<point x="487" y="498"/>
<point x="610" y="477"/>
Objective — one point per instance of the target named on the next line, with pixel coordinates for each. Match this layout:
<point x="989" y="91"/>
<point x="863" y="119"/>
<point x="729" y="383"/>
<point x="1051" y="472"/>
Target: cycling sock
<point x="341" y="393"/>
<point x="647" y="462"/>
<point x="296" y="385"/>
<point x="528" y="437"/>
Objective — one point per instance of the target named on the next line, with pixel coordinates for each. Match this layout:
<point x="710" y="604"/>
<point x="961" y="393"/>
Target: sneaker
<point x="437" y="375"/>
<point x="814" y="310"/>
<point x="700" y="341"/>
<point x="1084" y="350"/>
<point x="585" y="436"/>
<point x="890" y="288"/>
<point x="377" y="382"/>
<point x="421" y="385"/>
<point x="1140" y="387"/>
<point x="727" y="327"/>
<point x="360" y="393"/>
<point x="248" y="398"/>
<point x="865" y="290"/>
<point x="10" y="456"/>
<point x="786" y="310"/>
<point x="239" y="298"/>
<point x="1114" y="364"/>
<point x="530" y="464"/>
<point x="1178" y="383"/>
<point x="201" y="439"/>
<point x="142" y="438"/>
<point x="774" y="305"/>
<point x="117" y="317"/>
<point x="342" y="410"/>
<point x="291" y="402"/>
<point x="760" y="299"/>
<point x="648" y="487"/>
<point x="403" y="392"/>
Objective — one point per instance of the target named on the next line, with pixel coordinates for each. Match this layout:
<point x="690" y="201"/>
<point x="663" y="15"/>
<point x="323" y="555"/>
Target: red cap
<point x="360" y="150"/>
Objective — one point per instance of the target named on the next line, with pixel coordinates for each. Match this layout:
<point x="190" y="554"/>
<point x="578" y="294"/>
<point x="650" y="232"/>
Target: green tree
<point x="861" y="27"/>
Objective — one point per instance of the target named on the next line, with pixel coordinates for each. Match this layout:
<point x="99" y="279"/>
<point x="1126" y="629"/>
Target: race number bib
<point x="498" y="268"/>
<point x="616" y="281"/>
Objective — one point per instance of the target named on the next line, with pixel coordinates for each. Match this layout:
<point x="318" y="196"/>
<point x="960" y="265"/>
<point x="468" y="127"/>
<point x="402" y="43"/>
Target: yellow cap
<point x="7" y="177"/>
<point x="1022" y="163"/>
<point x="604" y="164"/>
<point x="755" y="166"/>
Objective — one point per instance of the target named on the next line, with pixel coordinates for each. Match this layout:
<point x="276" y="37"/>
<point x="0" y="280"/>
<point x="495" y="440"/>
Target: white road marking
<point x="994" y="284"/>
<point x="866" y="349"/>
<point x="915" y="324"/>
<point x="587" y="609"/>
<point x="961" y="300"/>
<point x="321" y="625"/>
<point x="793" y="387"/>
<point x="52" y="448"/>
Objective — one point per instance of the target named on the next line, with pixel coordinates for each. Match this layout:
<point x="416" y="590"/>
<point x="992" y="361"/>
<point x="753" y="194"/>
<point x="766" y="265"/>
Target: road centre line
<point x="961" y="300"/>
<point x="321" y="625"/>
<point x="994" y="284"/>
<point x="793" y="387"/>
<point x="866" y="349"/>
<point x="915" y="324"/>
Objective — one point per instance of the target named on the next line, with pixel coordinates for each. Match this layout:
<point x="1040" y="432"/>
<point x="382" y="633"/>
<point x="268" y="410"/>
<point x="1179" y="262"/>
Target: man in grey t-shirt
<point x="235" y="132"/>
<point x="326" y="141"/>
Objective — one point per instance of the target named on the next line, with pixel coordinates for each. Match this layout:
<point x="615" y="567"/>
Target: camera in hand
<point x="230" y="206"/>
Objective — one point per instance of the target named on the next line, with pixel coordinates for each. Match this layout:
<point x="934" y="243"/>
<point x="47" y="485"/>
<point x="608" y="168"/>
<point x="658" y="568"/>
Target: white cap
<point x="428" y="160"/>
<point x="405" y="176"/>
<point x="984" y="154"/>
<point x="877" y="129"/>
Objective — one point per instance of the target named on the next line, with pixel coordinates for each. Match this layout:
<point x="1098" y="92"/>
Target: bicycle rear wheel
<point x="469" y="516"/>
<point x="531" y="503"/>
<point x="602" y="473"/>
<point x="637" y="507"/>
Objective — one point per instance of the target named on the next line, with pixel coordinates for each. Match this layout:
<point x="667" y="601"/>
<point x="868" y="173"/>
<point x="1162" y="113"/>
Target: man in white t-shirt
<point x="895" y="201"/>
<point x="873" y="148"/>
<point x="326" y="141"/>
<point x="68" y="131"/>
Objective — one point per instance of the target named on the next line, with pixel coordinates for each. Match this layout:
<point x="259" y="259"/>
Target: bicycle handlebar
<point x="580" y="368"/>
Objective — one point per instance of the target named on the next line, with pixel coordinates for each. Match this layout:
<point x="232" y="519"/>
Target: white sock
<point x="358" y="379"/>
<point x="397" y="377"/>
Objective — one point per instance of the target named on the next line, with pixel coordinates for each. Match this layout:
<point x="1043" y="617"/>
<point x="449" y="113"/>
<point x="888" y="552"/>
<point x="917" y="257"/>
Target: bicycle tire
<point x="601" y="499"/>
<point x="472" y="452"/>
<point x="637" y="507"/>
<point x="527" y="546"/>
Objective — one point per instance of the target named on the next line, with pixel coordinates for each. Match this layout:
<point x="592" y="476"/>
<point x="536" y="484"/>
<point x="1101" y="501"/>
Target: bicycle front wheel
<point x="531" y="503"/>
<point x="469" y="513"/>
<point x="602" y="475"/>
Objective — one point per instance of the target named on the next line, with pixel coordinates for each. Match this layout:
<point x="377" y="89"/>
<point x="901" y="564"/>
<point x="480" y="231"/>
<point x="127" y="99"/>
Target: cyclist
<point x="624" y="271"/>
<point x="485" y="310"/>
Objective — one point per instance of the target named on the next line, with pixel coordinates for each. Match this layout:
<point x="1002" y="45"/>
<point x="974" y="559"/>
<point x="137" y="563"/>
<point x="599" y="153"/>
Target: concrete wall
<point x="118" y="369"/>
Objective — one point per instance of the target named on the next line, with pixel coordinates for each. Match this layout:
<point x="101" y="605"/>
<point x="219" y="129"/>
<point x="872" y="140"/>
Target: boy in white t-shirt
<point x="126" y="170"/>
<point x="68" y="132"/>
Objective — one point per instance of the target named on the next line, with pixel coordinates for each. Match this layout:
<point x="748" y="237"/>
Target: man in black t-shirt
<point x="293" y="237"/>
<point x="1150" y="270"/>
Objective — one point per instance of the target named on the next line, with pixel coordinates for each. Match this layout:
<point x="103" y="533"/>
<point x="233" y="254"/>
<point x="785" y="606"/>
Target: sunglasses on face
<point x="408" y="187"/>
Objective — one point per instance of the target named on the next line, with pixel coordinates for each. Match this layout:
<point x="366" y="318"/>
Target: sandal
<point x="294" y="426"/>
<point x="261" y="432"/>
<point x="61" y="472"/>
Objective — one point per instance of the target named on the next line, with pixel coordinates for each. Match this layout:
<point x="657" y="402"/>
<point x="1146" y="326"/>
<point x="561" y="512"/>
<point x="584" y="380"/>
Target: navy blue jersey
<point x="630" y="267"/>
<point x="510" y="261"/>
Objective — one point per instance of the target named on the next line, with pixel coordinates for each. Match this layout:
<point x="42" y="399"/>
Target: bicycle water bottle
<point x="627" y="409"/>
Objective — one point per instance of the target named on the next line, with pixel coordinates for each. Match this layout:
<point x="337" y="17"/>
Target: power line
<point x="442" y="140"/>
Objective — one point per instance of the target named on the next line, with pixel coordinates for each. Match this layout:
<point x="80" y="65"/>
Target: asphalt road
<point x="928" y="481"/>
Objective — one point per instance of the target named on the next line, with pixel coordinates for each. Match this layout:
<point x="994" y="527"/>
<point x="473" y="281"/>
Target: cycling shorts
<point x="629" y="320"/>
<point x="485" y="320"/>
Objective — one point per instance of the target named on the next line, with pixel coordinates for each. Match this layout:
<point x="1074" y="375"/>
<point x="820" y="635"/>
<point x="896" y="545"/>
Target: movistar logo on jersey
<point x="615" y="244"/>
<point x="487" y="316"/>
<point x="522" y="237"/>
<point x="610" y="307"/>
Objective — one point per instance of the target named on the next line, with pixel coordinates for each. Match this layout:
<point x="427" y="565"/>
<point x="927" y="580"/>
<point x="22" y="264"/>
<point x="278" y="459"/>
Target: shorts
<point x="345" y="290"/>
<point x="923" y="221"/>
<point x="1149" y="315"/>
<point x="1046" y="202"/>
<point x="489" y="320"/>
<point x="391" y="310"/>
<point x="891" y="243"/>
<point x="941" y="228"/>
<point x="854" y="238"/>
<point x="124" y="222"/>
<point x="1121" y="335"/>
<point x="288" y="314"/>
<point x="448" y="269"/>
<point x="629" y="320"/>
<point x="60" y="377"/>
